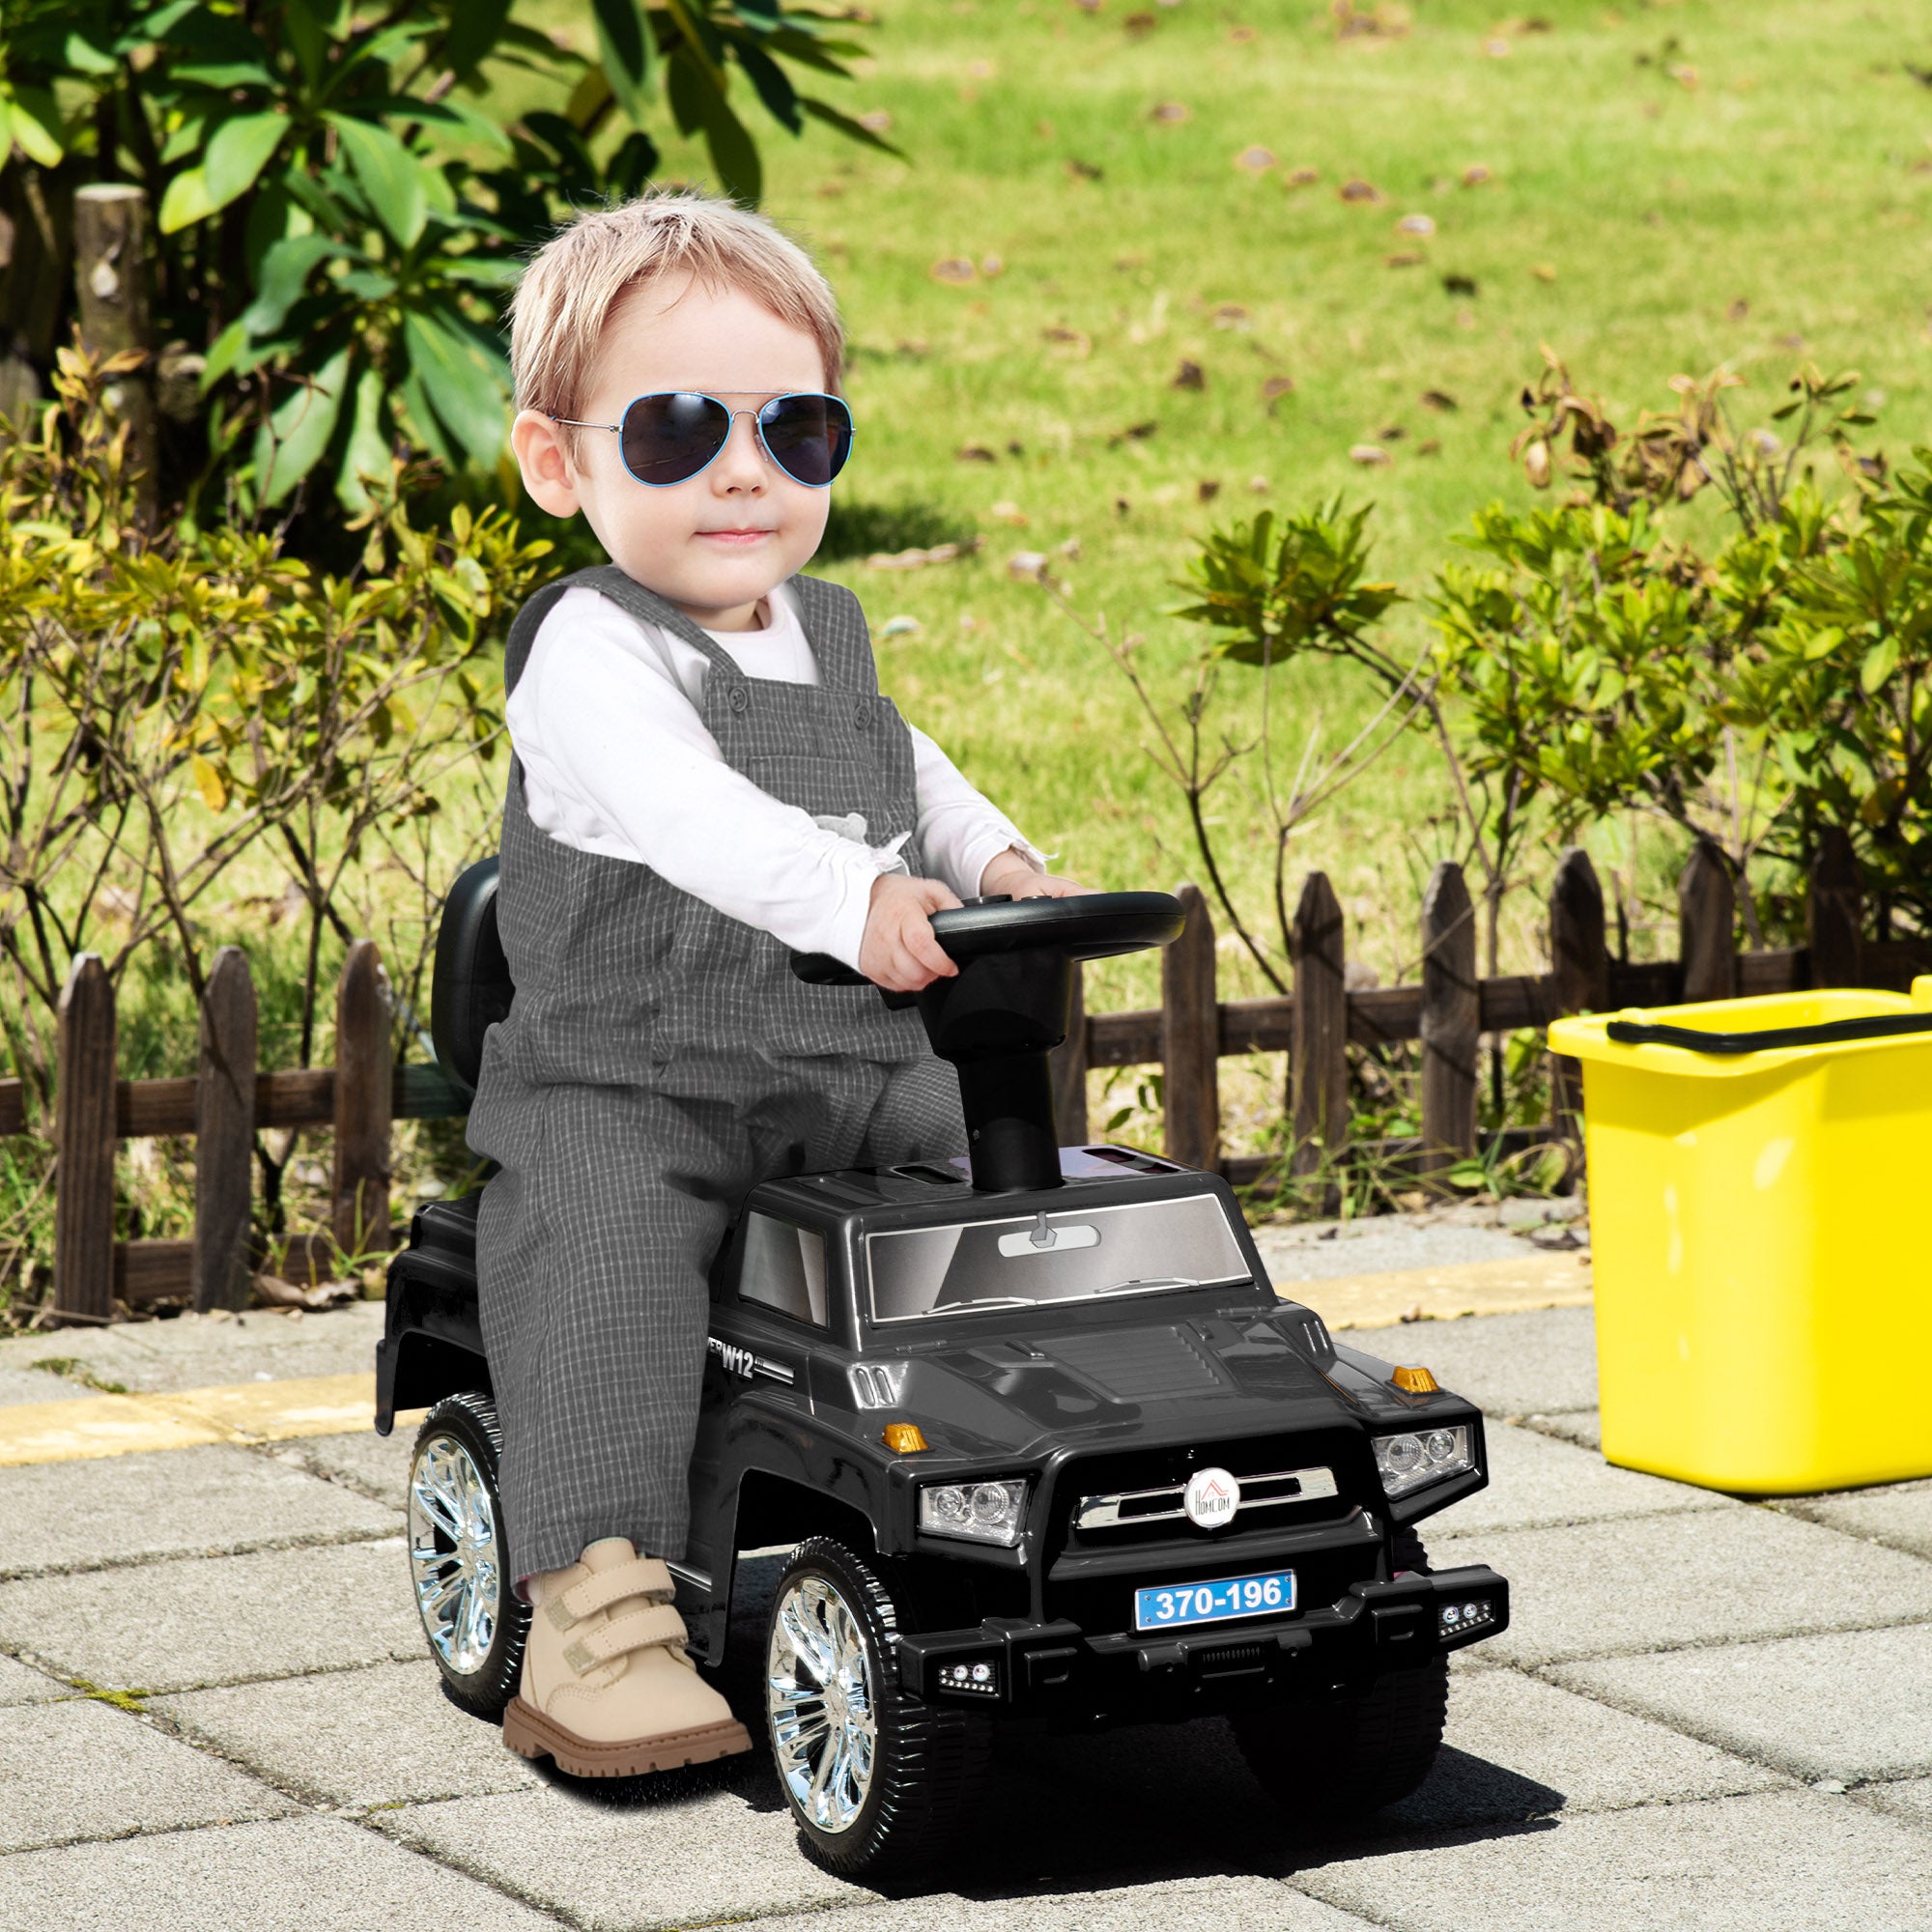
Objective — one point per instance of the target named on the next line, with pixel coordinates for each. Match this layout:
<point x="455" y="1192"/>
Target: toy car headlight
<point x="979" y="1512"/>
<point x="1407" y="1462"/>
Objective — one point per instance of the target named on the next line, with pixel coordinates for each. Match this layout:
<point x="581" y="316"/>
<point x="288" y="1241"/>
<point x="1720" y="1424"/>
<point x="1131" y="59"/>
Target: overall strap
<point x="835" y="626"/>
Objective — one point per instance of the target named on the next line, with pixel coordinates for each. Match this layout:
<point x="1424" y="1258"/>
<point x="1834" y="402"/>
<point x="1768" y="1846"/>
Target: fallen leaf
<point x="1259" y="485"/>
<point x="1737" y="310"/>
<point x="1208" y="489"/>
<point x="1369" y="454"/>
<point x="1004" y="512"/>
<point x="1544" y="272"/>
<point x="955" y="269"/>
<point x="1139" y="25"/>
<point x="901" y="627"/>
<point x="991" y="265"/>
<point x="1684" y="74"/>
<point x="1416" y="224"/>
<point x="1392" y="432"/>
<point x="1083" y="170"/>
<point x="1302" y="177"/>
<point x="1358" y="189"/>
<point x="1255" y="160"/>
<point x="1170" y="113"/>
<point x="272" y="1292"/>
<point x="1274" y="388"/>
<point x="1459" y="285"/>
<point x="1015" y="448"/>
<point x="1069" y="338"/>
<point x="1133" y="433"/>
<point x="1071" y="549"/>
<point x="1121" y="506"/>
<point x="1438" y="399"/>
<point x="1189" y="376"/>
<point x="975" y="452"/>
<point x="1230" y="314"/>
<point x="1025" y="566"/>
<point x="918" y="559"/>
<point x="1429" y="447"/>
<point x="1476" y="174"/>
<point x="1402" y="261"/>
<point x="1241" y="35"/>
<point x="1791" y="342"/>
<point x="878" y="122"/>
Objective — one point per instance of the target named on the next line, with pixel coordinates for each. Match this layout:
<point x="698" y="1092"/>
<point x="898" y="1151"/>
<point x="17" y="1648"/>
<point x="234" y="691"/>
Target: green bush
<point x="338" y="218"/>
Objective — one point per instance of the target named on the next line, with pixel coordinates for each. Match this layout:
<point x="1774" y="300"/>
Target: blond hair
<point x="575" y="282"/>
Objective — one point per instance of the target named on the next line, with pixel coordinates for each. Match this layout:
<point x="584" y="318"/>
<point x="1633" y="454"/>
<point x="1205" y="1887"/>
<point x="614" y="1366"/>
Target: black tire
<point x="472" y="1619"/>
<point x="1325" y="1764"/>
<point x="928" y="1763"/>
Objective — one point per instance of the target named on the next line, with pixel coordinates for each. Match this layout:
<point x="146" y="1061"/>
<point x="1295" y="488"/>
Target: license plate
<point x="1269" y="1594"/>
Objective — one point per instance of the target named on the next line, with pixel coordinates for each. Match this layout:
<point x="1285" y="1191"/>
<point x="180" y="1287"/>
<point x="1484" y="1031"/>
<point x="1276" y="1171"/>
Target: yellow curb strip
<point x="1509" y="1286"/>
<point x="279" y="1411"/>
<point x="124" y="1424"/>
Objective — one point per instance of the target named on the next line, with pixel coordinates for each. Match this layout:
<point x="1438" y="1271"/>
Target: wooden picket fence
<point x="1450" y="1010"/>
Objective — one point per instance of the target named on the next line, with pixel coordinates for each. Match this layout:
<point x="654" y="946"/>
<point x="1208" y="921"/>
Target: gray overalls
<point x="659" y="1061"/>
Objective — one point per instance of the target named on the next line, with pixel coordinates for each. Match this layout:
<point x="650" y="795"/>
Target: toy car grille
<point x="1164" y="1504"/>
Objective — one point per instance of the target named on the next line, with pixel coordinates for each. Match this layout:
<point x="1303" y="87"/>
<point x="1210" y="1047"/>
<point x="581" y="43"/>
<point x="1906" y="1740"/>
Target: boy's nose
<point x="740" y="466"/>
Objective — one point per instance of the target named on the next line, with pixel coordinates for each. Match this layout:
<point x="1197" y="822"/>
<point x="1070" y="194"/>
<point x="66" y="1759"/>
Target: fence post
<point x="1579" y="973"/>
<point x="1190" y="1036"/>
<point x="1707" y="906"/>
<point x="1835" y="911"/>
<point x="363" y="1102"/>
<point x="1067" y="1067"/>
<point x="110" y="268"/>
<point x="224" y="1134"/>
<point x="1318" y="1061"/>
<point x="1452" y="1018"/>
<point x="84" y="1141"/>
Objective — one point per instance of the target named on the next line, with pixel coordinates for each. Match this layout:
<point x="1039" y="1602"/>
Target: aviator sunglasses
<point x="669" y="438"/>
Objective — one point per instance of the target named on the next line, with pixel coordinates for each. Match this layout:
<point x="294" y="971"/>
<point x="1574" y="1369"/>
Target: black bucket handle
<point x="1768" y="1039"/>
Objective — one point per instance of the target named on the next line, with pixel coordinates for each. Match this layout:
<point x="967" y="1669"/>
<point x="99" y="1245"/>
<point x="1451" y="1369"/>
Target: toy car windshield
<point x="1079" y="1254"/>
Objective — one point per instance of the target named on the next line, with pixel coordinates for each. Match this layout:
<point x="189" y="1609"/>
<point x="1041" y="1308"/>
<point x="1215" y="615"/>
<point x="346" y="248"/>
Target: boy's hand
<point x="897" y="950"/>
<point x="1010" y="873"/>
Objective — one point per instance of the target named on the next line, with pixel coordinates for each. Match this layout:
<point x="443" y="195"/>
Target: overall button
<point x="741" y="698"/>
<point x="862" y="715"/>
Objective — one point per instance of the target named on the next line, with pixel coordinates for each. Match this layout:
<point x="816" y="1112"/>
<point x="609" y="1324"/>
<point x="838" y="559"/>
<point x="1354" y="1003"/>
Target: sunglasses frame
<point x="616" y="429"/>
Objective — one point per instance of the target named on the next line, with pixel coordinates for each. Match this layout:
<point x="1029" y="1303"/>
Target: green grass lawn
<point x="1669" y="187"/>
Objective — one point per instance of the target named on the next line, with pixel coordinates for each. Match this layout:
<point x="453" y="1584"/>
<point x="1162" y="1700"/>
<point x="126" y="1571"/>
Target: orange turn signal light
<point x="906" y="1438"/>
<point x="1415" y="1381"/>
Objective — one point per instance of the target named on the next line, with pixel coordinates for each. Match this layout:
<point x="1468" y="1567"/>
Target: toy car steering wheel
<point x="1091" y="926"/>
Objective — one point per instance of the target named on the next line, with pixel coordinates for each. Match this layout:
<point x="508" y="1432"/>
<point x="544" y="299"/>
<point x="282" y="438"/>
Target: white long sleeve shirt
<point x="616" y="760"/>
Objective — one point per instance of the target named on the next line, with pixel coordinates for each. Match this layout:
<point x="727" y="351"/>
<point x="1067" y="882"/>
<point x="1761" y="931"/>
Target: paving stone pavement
<point x="1708" y="1714"/>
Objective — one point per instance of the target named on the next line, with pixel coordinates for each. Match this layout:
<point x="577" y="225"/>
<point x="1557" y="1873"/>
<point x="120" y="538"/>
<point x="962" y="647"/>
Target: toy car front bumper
<point x="1050" y="1668"/>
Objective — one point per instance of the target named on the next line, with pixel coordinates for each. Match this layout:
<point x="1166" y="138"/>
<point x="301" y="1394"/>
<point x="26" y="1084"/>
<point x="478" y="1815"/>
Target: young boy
<point x="705" y="781"/>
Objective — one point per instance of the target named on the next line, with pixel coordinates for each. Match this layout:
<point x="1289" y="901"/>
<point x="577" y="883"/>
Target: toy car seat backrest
<point x="472" y="986"/>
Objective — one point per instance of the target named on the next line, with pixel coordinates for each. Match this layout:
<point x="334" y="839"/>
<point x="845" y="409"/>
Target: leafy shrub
<point x="337" y="214"/>
<point x="168" y="703"/>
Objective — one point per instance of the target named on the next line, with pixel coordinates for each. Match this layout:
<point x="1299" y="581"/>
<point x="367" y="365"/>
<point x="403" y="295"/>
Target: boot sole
<point x="529" y="1733"/>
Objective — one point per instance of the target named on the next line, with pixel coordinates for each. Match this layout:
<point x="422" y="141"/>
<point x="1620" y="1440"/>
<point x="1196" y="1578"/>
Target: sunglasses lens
<point x="809" y="437"/>
<point x="668" y="439"/>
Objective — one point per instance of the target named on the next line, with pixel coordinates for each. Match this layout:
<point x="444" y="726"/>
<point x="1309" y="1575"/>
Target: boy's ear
<point x="548" y="474"/>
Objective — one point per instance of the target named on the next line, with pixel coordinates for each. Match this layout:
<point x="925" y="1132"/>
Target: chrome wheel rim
<point x="454" y="1559"/>
<point x="818" y="1700"/>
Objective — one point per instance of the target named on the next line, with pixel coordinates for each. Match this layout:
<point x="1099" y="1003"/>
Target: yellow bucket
<point x="1761" y="1249"/>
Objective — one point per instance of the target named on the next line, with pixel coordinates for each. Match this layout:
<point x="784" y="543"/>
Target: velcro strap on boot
<point x="636" y="1629"/>
<point x="642" y="1576"/>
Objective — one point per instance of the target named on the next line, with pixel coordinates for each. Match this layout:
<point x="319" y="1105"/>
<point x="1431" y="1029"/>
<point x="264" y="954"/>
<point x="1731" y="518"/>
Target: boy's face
<point x="718" y="542"/>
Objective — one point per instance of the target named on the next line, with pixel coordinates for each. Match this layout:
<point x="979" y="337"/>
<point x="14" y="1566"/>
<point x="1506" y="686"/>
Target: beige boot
<point x="608" y="1690"/>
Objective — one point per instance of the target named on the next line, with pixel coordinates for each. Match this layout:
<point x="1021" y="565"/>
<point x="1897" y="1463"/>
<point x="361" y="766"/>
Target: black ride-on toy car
<point x="1042" y="1442"/>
